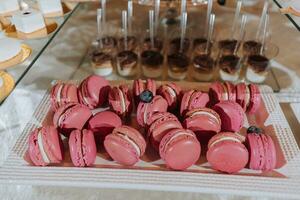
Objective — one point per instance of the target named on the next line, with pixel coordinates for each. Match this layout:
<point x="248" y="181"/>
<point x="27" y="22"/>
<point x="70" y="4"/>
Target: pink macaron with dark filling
<point x="231" y="114"/>
<point x="193" y="99"/>
<point x="93" y="91"/>
<point x="262" y="150"/>
<point x="171" y="93"/>
<point x="145" y="110"/>
<point x="120" y="101"/>
<point x="45" y="146"/>
<point x="82" y="148"/>
<point x="125" y="145"/>
<point x="63" y="93"/>
<point x="227" y="153"/>
<point x="180" y="149"/>
<point x="71" y="116"/>
<point x="140" y="86"/>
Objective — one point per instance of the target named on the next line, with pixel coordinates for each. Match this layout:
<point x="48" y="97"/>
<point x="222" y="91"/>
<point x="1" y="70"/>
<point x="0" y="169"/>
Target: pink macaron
<point x="82" y="148"/>
<point x="227" y="153"/>
<point x="217" y="93"/>
<point x="203" y="121"/>
<point x="103" y="123"/>
<point x="171" y="93"/>
<point x="231" y="114"/>
<point x="63" y="93"/>
<point x="145" y="110"/>
<point x="255" y="99"/>
<point x="160" y="124"/>
<point x="120" y="101"/>
<point x="71" y="116"/>
<point x="93" y="91"/>
<point x="180" y="149"/>
<point x="193" y="99"/>
<point x="140" y="86"/>
<point x="125" y="145"/>
<point x="262" y="150"/>
<point x="45" y="146"/>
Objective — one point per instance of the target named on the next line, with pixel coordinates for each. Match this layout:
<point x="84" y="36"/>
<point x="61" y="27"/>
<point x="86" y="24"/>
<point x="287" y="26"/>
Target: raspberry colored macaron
<point x="82" y="148"/>
<point x="171" y="93"/>
<point x="71" y="116"/>
<point x="140" y="86"/>
<point x="226" y="152"/>
<point x="255" y="99"/>
<point x="63" y="93"/>
<point x="262" y="151"/>
<point x="93" y="91"/>
<point x="231" y="114"/>
<point x="217" y="93"/>
<point x="180" y="149"/>
<point x="120" y="100"/>
<point x="193" y="99"/>
<point x="45" y="146"/>
<point x="125" y="145"/>
<point x="161" y="123"/>
<point x="145" y="110"/>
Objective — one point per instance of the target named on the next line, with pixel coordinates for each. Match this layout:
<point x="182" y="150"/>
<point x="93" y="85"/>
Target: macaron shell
<point x="222" y="135"/>
<point x="241" y="95"/>
<point x="255" y="99"/>
<point x="33" y="149"/>
<point x="75" y="146"/>
<point x="69" y="93"/>
<point x="215" y="93"/>
<point x="53" y="94"/>
<point x="185" y="101"/>
<point x="120" y="150"/>
<point x="227" y="156"/>
<point x="198" y="100"/>
<point x="51" y="143"/>
<point x="257" y="154"/>
<point x="231" y="114"/>
<point x="270" y="152"/>
<point x="61" y="111"/>
<point x="165" y="93"/>
<point x="231" y="90"/>
<point x="128" y="98"/>
<point x="89" y="149"/>
<point x="151" y="85"/>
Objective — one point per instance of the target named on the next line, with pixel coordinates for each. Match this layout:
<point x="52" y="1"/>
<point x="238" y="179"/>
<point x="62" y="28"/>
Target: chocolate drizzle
<point x="229" y="64"/>
<point x="203" y="63"/>
<point x="152" y="58"/>
<point x="258" y="63"/>
<point x="178" y="62"/>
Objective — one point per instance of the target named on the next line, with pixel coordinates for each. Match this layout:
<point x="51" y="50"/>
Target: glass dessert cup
<point x="132" y="44"/>
<point x="199" y="46"/>
<point x="203" y="68"/>
<point x="152" y="63"/>
<point x="178" y="66"/>
<point x="174" y="45"/>
<point x="146" y="44"/>
<point x="227" y="46"/>
<point x="127" y="62"/>
<point x="229" y="67"/>
<point x="102" y="63"/>
<point x="251" y="47"/>
<point x="257" y="68"/>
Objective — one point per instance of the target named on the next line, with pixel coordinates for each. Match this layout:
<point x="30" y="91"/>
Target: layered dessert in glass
<point x="127" y="62"/>
<point x="229" y="67"/>
<point x="102" y="63"/>
<point x="178" y="65"/>
<point x="257" y="68"/>
<point x="203" y="67"/>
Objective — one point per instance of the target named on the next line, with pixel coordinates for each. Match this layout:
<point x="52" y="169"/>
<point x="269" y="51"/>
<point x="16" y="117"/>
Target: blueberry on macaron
<point x="254" y="129"/>
<point x="146" y="96"/>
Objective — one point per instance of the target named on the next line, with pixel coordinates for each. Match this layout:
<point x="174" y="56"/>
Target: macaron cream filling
<point x="204" y="113"/>
<point x="225" y="95"/>
<point x="58" y="95"/>
<point x="171" y="91"/>
<point x="41" y="147"/>
<point x="122" y="97"/>
<point x="247" y="96"/>
<point x="223" y="139"/>
<point x="178" y="134"/>
<point x="130" y="141"/>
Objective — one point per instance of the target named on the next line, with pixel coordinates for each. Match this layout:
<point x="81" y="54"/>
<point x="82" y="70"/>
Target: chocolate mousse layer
<point x="178" y="62"/>
<point x="175" y="45"/>
<point x="229" y="64"/>
<point x="199" y="46"/>
<point x="251" y="47"/>
<point x="152" y="59"/>
<point x="258" y="63"/>
<point x="131" y="43"/>
<point x="127" y="59"/>
<point x="99" y="57"/>
<point x="203" y="64"/>
<point x="158" y="44"/>
<point x="227" y="46"/>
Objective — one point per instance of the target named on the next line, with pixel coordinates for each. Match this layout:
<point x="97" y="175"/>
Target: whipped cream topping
<point x="41" y="147"/>
<point x="247" y="96"/>
<point x="223" y="139"/>
<point x="135" y="146"/>
<point x="58" y="95"/>
<point x="178" y="134"/>
<point x="123" y="106"/>
<point x="204" y="113"/>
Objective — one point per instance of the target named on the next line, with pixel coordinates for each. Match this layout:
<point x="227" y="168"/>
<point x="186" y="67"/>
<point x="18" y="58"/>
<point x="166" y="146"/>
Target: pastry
<point x="63" y="93"/>
<point x="199" y="46"/>
<point x="140" y="86"/>
<point x="29" y="21"/>
<point x="159" y="124"/>
<point x="231" y="114"/>
<point x="193" y="99"/>
<point x="53" y="6"/>
<point x="251" y="47"/>
<point x="93" y="91"/>
<point x="8" y="6"/>
<point x="103" y="123"/>
<point x="71" y="116"/>
<point x="230" y="66"/>
<point x="9" y="48"/>
<point x="174" y="46"/>
<point x="177" y="66"/>
<point x="227" y="47"/>
<point x="102" y="63"/>
<point x="7" y="84"/>
<point x="227" y="153"/>
<point x="171" y="93"/>
<point x="45" y="146"/>
<point x="257" y="68"/>
<point x="158" y="45"/>
<point x="82" y="148"/>
<point x="180" y="149"/>
<point x="221" y="92"/>
<point x="203" y="67"/>
<point x="120" y="101"/>
<point x="131" y="44"/>
<point x="145" y="110"/>
<point x="262" y="150"/>
<point x="127" y="63"/>
<point x="152" y="63"/>
<point x="125" y="145"/>
<point x="202" y="121"/>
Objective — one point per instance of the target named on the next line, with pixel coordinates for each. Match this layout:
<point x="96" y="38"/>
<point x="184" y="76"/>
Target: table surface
<point x="60" y="61"/>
